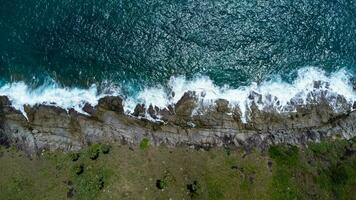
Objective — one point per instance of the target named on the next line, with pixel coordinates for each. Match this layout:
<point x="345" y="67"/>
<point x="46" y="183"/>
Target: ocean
<point x="70" y="52"/>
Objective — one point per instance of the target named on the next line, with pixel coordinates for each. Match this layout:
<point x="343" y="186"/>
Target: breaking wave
<point x="274" y="92"/>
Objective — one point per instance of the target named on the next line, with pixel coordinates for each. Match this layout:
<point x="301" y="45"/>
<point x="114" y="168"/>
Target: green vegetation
<point x="94" y="151"/>
<point x="105" y="148"/>
<point x="324" y="170"/>
<point x="144" y="143"/>
<point x="74" y="156"/>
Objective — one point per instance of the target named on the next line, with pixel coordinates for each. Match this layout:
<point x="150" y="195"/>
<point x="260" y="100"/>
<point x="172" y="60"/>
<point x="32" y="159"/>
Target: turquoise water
<point x="135" y="44"/>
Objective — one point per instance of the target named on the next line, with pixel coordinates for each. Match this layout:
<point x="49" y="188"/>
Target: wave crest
<point x="274" y="93"/>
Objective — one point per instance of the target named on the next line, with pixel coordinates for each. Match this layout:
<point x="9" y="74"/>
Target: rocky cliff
<point x="188" y="122"/>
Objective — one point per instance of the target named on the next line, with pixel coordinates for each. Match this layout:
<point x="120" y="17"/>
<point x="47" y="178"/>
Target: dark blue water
<point x="81" y="42"/>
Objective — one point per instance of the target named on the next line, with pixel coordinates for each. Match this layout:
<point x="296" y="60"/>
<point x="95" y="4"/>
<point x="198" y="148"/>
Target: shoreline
<point x="54" y="128"/>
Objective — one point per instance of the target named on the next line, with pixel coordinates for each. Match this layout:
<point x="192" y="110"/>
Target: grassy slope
<point x="322" y="171"/>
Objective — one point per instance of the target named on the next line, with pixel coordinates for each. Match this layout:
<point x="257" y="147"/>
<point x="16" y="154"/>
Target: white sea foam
<point x="338" y="83"/>
<point x="20" y="94"/>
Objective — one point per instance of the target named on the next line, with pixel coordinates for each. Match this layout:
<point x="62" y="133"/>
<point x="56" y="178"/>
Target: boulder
<point x="222" y="106"/>
<point x="139" y="110"/>
<point x="89" y="109"/>
<point x="111" y="103"/>
<point x="4" y="101"/>
<point x="185" y="106"/>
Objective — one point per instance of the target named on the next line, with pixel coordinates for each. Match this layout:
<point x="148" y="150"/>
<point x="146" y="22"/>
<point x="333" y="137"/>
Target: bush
<point x="339" y="175"/>
<point x="144" y="143"/>
<point x="89" y="185"/>
<point x="93" y="152"/>
<point x="105" y="148"/>
<point x="161" y="184"/>
<point x="284" y="154"/>
<point x="78" y="168"/>
<point x="74" y="156"/>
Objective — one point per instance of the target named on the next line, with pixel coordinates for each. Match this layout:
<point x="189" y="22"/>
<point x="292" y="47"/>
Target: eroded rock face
<point x="185" y="106"/>
<point x="139" y="111"/>
<point x="112" y="103"/>
<point x="216" y="124"/>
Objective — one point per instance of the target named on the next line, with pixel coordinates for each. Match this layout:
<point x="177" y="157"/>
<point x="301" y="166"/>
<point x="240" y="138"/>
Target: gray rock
<point x="53" y="128"/>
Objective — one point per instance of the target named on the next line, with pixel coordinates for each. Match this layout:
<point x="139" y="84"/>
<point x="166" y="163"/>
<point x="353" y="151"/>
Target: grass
<point x="323" y="171"/>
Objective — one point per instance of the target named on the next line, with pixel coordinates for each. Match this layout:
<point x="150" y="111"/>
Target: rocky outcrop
<point x="188" y="122"/>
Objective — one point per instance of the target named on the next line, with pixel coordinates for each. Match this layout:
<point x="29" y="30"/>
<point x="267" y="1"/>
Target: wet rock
<point x="112" y="103"/>
<point x="256" y="97"/>
<point x="353" y="84"/>
<point x="88" y="108"/>
<point x="321" y="84"/>
<point x="185" y="106"/>
<point x="152" y="112"/>
<point x="4" y="101"/>
<point x="222" y="106"/>
<point x="354" y="105"/>
<point x="139" y="110"/>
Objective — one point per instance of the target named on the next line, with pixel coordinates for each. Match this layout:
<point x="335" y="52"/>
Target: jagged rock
<point x="256" y="97"/>
<point x="139" y="110"/>
<point x="112" y="103"/>
<point x="222" y="106"/>
<point x="89" y="109"/>
<point x="54" y="128"/>
<point x="185" y="106"/>
<point x="152" y="112"/>
<point x="4" y="101"/>
<point x="167" y="114"/>
<point x="354" y="105"/>
<point x="321" y="84"/>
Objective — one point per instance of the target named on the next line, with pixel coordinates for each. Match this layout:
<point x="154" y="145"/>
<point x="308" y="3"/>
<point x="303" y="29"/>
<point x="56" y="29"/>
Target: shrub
<point x="144" y="143"/>
<point x="284" y="154"/>
<point x="161" y="184"/>
<point x="105" y="148"/>
<point x="74" y="156"/>
<point x="93" y="152"/>
<point x="78" y="168"/>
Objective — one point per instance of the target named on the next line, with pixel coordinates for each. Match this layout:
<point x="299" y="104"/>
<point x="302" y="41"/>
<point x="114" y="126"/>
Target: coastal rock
<point x="218" y="124"/>
<point x="4" y="101"/>
<point x="185" y="106"/>
<point x="89" y="109"/>
<point x="222" y="106"/>
<point x="112" y="103"/>
<point x="139" y="110"/>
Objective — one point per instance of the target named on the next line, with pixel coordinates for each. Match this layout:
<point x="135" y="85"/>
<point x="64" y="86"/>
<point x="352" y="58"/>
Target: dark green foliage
<point x="144" y="143"/>
<point x="93" y="151"/>
<point x="105" y="148"/>
<point x="78" y="168"/>
<point x="284" y="154"/>
<point x="338" y="174"/>
<point x="161" y="184"/>
<point x="74" y="156"/>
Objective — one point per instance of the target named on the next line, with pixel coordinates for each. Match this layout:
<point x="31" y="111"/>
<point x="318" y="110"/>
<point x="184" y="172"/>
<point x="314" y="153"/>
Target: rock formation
<point x="188" y="122"/>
